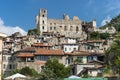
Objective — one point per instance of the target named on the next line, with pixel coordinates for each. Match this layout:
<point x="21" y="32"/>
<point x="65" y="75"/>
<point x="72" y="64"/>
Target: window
<point x="4" y="66"/>
<point x="60" y="26"/>
<point x="44" y="11"/>
<point x="77" y="29"/>
<point x="65" y="28"/>
<point x="41" y="68"/>
<point x="50" y="23"/>
<point x="54" y="28"/>
<point x="10" y="66"/>
<point x="50" y="28"/>
<point x="4" y="58"/>
<point x="43" y="22"/>
<point x="65" y="49"/>
<point x="42" y="58"/>
<point x="43" y="15"/>
<point x="71" y="28"/>
<point x="9" y="58"/>
<point x="74" y="49"/>
<point x="43" y="27"/>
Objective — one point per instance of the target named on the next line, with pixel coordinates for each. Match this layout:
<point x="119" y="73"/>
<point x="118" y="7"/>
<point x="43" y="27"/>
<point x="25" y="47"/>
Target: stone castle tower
<point x="41" y="21"/>
<point x="65" y="26"/>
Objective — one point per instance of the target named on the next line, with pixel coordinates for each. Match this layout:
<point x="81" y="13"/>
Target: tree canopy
<point x="54" y="70"/>
<point x="25" y="71"/>
<point x="33" y="32"/>
<point x="97" y="35"/>
<point x="113" y="56"/>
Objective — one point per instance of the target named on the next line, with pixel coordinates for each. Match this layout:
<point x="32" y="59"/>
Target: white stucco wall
<point x="92" y="73"/>
<point x="71" y="41"/>
<point x="70" y="47"/>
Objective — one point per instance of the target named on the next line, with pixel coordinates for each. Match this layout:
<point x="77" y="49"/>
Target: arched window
<point x="43" y="22"/>
<point x="43" y="15"/>
<point x="42" y="27"/>
<point x="65" y="28"/>
<point x="77" y="29"/>
<point x="44" y="11"/>
<point x="71" y="28"/>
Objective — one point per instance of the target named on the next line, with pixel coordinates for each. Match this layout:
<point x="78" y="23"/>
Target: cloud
<point x="10" y="29"/>
<point x="112" y="5"/>
<point x="106" y="20"/>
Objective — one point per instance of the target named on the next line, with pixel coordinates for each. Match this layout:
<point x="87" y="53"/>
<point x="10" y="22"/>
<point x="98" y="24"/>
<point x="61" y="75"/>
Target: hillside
<point x="115" y="22"/>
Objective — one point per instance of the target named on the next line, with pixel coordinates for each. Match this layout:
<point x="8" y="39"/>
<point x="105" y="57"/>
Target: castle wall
<point x="66" y="26"/>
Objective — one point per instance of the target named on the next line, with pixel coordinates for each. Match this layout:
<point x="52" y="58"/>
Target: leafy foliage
<point x="117" y="63"/>
<point x="33" y="32"/>
<point x="113" y="56"/>
<point x="15" y="71"/>
<point x="78" y="60"/>
<point x="26" y="71"/>
<point x="104" y="35"/>
<point x="97" y="35"/>
<point x="47" y="74"/>
<point x="54" y="70"/>
<point x="94" y="35"/>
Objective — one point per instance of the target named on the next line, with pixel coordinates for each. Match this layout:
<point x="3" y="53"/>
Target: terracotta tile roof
<point x="40" y="62"/>
<point x="80" y="53"/>
<point x="84" y="53"/>
<point x="27" y="49"/>
<point x="41" y="45"/>
<point x="95" y="40"/>
<point x="88" y="41"/>
<point x="42" y="51"/>
<point x="25" y="55"/>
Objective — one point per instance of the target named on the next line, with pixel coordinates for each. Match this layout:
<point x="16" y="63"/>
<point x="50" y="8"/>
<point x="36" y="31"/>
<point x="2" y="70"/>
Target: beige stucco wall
<point x="1" y="37"/>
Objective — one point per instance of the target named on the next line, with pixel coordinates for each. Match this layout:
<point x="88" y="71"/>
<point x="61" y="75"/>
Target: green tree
<point x="47" y="74"/>
<point x="113" y="56"/>
<point x="94" y="35"/>
<point x="97" y="35"/>
<point x="56" y="69"/>
<point x="33" y="32"/>
<point x="104" y="35"/>
<point x="117" y="63"/>
<point x="29" y="72"/>
<point x="78" y="60"/>
<point x="15" y="71"/>
<point x="26" y="71"/>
